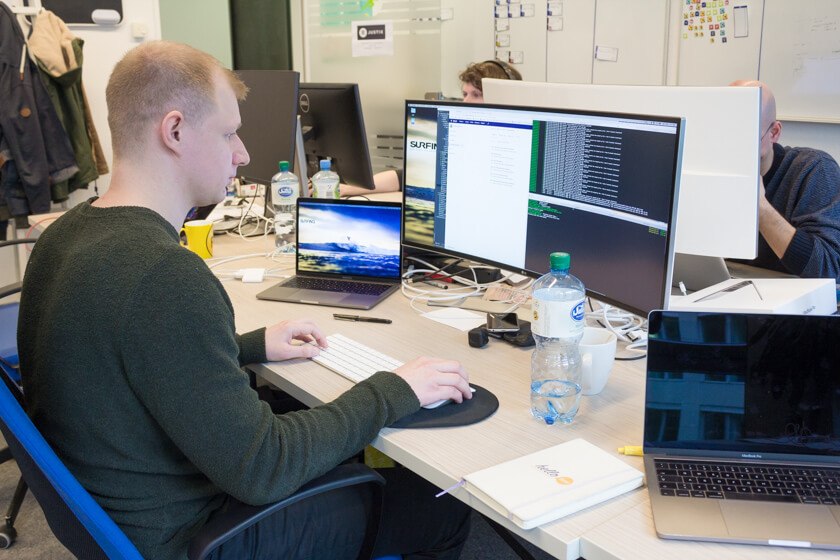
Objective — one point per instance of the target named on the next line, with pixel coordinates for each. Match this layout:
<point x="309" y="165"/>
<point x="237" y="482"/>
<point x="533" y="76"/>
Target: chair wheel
<point x="7" y="536"/>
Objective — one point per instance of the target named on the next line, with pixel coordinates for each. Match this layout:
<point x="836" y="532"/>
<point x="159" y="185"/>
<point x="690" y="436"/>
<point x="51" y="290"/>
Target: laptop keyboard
<point x="730" y="481"/>
<point x="353" y="360"/>
<point x="328" y="285"/>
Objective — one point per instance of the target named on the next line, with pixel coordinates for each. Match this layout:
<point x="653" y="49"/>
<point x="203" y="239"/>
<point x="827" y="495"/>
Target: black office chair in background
<point x="75" y="518"/>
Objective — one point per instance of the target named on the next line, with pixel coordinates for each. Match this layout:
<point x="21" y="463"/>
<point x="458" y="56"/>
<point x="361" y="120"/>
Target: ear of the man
<point x="776" y="132"/>
<point x="171" y="131"/>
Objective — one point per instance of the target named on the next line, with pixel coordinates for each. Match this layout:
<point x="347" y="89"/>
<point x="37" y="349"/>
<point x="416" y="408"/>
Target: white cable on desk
<point x="213" y="263"/>
<point x="627" y="322"/>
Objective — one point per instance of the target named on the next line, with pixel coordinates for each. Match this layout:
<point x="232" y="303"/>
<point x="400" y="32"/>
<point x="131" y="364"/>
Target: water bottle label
<point x="557" y="319"/>
<point x="285" y="191"/>
<point x="323" y="190"/>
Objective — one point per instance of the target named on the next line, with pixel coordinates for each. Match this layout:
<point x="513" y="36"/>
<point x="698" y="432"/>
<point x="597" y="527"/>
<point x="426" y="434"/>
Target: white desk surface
<point x="619" y="528"/>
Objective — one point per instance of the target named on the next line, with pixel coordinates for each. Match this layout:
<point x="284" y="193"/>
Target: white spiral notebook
<point x="549" y="484"/>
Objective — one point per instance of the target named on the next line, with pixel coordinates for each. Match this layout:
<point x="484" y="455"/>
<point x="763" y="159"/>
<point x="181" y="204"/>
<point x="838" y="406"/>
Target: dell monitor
<point x="718" y="206"/>
<point x="333" y="128"/>
<point x="268" y="121"/>
<point x="507" y="186"/>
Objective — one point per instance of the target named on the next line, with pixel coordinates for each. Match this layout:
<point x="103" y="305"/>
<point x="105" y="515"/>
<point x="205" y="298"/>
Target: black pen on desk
<point x="341" y="317"/>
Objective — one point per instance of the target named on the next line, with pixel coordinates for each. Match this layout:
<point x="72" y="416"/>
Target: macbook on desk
<point x="742" y="428"/>
<point x="348" y="254"/>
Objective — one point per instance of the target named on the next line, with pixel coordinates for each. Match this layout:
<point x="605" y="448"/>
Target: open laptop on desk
<point x="348" y="254"/>
<point x="742" y="428"/>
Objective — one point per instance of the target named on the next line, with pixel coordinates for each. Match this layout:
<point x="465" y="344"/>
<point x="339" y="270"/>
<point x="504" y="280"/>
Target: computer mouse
<point x="442" y="401"/>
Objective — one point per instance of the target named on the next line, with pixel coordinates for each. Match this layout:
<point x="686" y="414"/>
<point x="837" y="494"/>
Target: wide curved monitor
<point x="507" y="186"/>
<point x="718" y="207"/>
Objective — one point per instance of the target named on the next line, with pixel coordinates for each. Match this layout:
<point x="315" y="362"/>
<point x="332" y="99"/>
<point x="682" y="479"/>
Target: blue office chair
<point x="9" y="365"/>
<point x="85" y="529"/>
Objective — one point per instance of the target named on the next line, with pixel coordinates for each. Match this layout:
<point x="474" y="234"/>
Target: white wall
<point x="104" y="46"/>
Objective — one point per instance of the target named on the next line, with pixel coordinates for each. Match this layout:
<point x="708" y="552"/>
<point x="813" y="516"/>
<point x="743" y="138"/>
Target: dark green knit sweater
<point x="132" y="372"/>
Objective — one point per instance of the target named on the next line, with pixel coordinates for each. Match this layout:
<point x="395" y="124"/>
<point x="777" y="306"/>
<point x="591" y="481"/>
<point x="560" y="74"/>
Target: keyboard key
<point x="762" y="497"/>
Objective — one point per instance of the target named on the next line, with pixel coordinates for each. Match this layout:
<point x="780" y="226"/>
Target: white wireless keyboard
<point x="357" y="362"/>
<point x="354" y="360"/>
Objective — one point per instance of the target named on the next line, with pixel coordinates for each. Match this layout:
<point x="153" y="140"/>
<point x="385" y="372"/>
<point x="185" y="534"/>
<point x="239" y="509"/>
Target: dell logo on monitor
<point x="303" y="103"/>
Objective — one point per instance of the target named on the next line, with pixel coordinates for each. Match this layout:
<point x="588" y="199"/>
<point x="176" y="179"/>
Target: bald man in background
<point x="799" y="206"/>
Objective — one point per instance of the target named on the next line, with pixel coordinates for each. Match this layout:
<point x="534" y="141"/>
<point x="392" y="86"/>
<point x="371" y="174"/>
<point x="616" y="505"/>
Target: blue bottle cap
<point x="325" y="165"/>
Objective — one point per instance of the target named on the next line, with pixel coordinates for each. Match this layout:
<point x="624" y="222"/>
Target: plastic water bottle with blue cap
<point x="557" y="327"/>
<point x="325" y="182"/>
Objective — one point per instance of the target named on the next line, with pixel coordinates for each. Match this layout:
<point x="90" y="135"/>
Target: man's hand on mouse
<point x="434" y="379"/>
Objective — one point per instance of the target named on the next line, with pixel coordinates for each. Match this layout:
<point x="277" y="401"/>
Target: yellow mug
<point x="199" y="237"/>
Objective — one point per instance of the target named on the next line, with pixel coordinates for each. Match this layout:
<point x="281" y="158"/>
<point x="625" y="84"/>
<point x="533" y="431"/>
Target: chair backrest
<point x="78" y="522"/>
<point x="8" y="340"/>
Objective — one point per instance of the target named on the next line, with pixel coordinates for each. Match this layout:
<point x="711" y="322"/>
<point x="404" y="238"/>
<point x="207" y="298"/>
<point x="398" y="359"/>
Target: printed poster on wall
<point x="373" y="38"/>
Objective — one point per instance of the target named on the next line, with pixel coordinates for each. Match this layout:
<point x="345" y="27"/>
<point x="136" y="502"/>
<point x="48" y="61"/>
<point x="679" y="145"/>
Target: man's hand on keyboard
<point x="279" y="337"/>
<point x="433" y="379"/>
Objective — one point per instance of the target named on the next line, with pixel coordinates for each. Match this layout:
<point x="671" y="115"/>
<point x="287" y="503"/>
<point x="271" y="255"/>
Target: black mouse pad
<point x="480" y="406"/>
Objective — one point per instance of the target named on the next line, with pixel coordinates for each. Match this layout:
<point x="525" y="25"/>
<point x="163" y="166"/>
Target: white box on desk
<point x="790" y="296"/>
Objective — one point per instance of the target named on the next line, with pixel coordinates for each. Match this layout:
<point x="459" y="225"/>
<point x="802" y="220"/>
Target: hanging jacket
<point x="30" y="132"/>
<point x="59" y="56"/>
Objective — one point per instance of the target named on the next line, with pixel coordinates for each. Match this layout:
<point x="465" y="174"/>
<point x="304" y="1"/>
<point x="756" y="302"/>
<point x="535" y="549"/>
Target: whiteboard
<point x="800" y="58"/>
<point x="630" y="43"/>
<point x="717" y="212"/>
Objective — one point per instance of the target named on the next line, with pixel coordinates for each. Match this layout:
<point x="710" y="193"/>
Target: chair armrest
<point x="9" y="289"/>
<point x="241" y="516"/>
<point x="24" y="241"/>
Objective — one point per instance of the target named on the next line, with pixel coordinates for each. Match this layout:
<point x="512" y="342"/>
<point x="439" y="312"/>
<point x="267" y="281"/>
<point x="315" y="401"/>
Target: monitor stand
<point x="300" y="160"/>
<point x="697" y="272"/>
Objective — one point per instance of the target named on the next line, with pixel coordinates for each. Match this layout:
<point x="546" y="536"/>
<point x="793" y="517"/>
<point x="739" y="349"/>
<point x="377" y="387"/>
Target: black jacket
<point x="30" y="133"/>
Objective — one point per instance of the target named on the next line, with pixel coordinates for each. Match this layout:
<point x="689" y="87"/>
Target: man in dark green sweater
<point x="132" y="366"/>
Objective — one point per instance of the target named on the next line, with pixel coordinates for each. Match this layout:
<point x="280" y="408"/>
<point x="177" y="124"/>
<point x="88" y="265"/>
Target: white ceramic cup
<point x="597" y="353"/>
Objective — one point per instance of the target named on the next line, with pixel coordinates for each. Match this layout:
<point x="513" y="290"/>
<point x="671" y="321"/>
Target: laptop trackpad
<point x="319" y="296"/>
<point x="794" y="522"/>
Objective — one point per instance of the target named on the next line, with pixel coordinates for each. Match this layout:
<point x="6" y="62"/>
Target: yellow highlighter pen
<point x="631" y="450"/>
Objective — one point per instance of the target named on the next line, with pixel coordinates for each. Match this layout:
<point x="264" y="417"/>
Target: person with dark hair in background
<point x="799" y="206"/>
<point x="473" y="74"/>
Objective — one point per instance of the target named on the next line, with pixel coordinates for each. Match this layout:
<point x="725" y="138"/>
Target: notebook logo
<point x="555" y="474"/>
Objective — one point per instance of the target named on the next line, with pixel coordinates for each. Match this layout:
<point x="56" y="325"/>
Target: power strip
<point x="249" y="190"/>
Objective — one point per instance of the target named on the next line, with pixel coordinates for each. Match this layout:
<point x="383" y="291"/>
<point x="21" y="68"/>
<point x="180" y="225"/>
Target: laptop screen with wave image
<point x="348" y="254"/>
